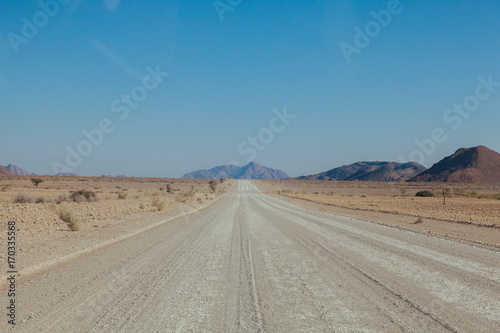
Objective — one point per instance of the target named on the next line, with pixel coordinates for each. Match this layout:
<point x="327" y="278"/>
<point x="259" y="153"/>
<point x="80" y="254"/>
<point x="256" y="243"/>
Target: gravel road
<point x="253" y="263"/>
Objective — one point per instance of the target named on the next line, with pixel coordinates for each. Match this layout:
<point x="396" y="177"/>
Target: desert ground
<point x="471" y="213"/>
<point x="252" y="262"/>
<point x="121" y="207"/>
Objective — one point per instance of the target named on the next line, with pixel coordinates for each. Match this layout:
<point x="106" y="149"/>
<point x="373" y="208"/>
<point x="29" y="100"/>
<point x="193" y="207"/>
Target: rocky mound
<point x="477" y="165"/>
<point x="5" y="172"/>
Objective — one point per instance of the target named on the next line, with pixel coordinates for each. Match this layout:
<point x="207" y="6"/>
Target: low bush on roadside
<point x="53" y="206"/>
<point x="40" y="200"/>
<point x="425" y="194"/>
<point x="67" y="216"/>
<point x="122" y="196"/>
<point x="83" y="196"/>
<point x="22" y="198"/>
<point x="160" y="205"/>
<point x="213" y="185"/>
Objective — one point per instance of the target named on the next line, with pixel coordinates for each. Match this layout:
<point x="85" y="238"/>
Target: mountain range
<point x="17" y="170"/>
<point x="479" y="165"/>
<point x="370" y="171"/>
<point x="250" y="171"/>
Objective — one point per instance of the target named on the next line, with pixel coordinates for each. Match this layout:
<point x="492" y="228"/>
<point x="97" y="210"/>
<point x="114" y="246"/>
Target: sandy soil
<point x="463" y="218"/>
<point x="253" y="263"/>
<point x="43" y="239"/>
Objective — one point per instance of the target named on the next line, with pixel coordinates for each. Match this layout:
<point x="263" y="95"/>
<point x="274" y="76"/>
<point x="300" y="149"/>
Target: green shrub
<point x="36" y="181"/>
<point x="424" y="194"/>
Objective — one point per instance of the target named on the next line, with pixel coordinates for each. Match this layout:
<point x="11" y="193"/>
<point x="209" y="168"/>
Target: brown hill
<point x="5" y="172"/>
<point x="477" y="165"/>
<point x="370" y="171"/>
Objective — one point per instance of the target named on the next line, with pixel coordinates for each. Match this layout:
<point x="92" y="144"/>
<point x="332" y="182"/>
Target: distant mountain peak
<point x="66" y="174"/>
<point x="467" y="165"/>
<point x="250" y="171"/>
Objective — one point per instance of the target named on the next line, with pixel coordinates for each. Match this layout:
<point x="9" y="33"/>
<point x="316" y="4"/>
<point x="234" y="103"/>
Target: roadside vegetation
<point x="67" y="216"/>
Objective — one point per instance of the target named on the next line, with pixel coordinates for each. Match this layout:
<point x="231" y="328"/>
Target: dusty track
<point x="251" y="263"/>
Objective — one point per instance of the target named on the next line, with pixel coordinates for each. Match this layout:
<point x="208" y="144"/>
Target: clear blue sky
<point x="226" y="77"/>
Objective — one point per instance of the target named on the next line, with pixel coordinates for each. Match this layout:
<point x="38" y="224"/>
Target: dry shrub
<point x="122" y="196"/>
<point x="22" y="198"/>
<point x="53" y="207"/>
<point x="67" y="216"/>
<point x="63" y="198"/>
<point x="83" y="196"/>
<point x="160" y="205"/>
<point x="424" y="194"/>
<point x="5" y="187"/>
<point x="418" y="221"/>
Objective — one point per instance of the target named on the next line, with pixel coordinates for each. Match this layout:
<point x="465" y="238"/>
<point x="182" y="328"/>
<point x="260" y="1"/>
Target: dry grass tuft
<point x="67" y="216"/>
<point x="160" y="205"/>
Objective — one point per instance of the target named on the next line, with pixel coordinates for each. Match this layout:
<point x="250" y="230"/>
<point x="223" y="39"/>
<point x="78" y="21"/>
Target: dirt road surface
<point x="253" y="263"/>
